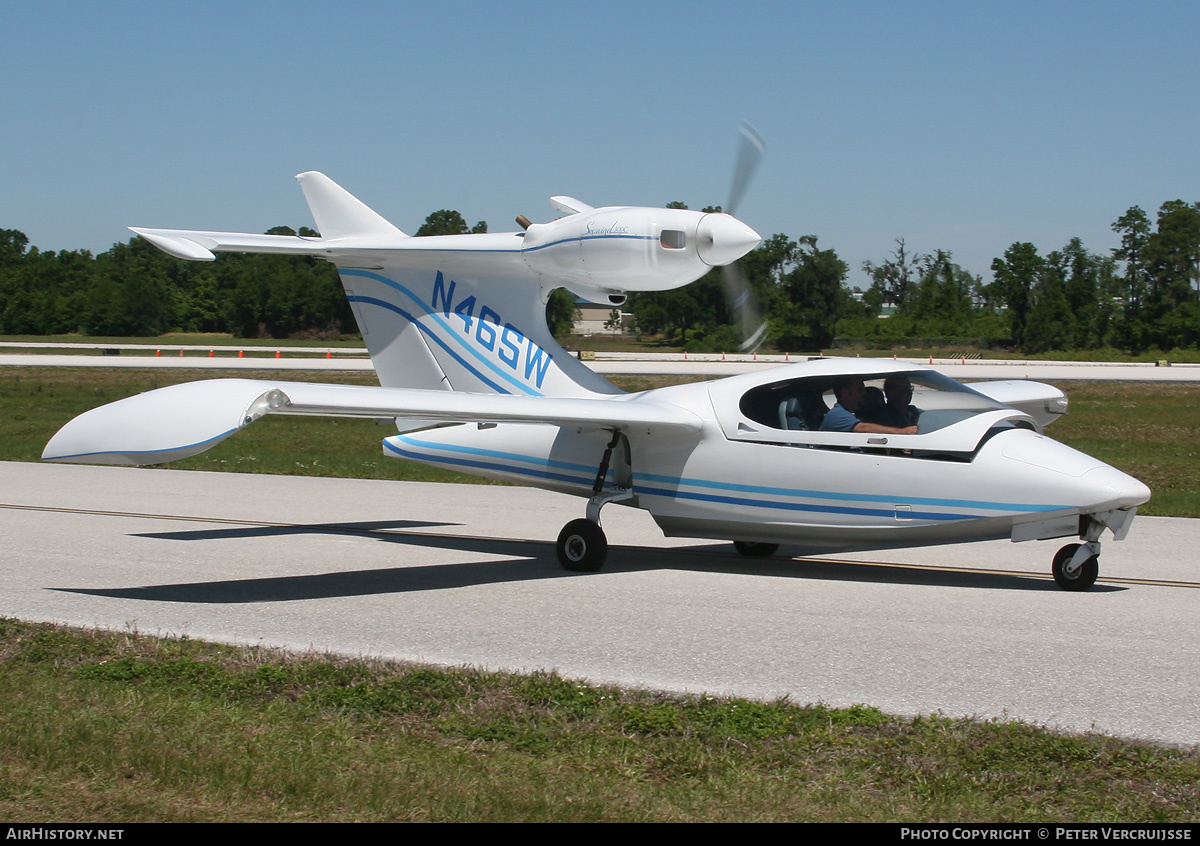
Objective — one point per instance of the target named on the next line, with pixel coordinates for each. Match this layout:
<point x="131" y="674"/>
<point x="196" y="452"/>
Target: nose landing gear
<point x="1077" y="565"/>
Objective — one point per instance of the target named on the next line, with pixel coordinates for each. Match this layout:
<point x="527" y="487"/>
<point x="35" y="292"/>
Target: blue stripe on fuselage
<point x="643" y="489"/>
<point x="389" y="443"/>
<point x="849" y="497"/>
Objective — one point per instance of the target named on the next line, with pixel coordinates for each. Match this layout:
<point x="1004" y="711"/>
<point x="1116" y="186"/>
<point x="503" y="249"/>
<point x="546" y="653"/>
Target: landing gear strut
<point x="582" y="546"/>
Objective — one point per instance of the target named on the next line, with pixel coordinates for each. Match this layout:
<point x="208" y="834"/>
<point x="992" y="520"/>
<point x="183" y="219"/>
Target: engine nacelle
<point x="602" y="253"/>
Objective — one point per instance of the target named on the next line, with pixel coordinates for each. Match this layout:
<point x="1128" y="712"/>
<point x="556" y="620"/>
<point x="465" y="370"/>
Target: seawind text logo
<point x="614" y="228"/>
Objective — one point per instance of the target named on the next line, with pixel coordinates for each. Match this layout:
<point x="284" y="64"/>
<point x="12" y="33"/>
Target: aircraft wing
<point x="1044" y="403"/>
<point x="183" y="420"/>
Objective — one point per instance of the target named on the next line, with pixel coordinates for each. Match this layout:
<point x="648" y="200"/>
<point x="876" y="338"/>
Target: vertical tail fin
<point x="439" y="319"/>
<point x="452" y="312"/>
<point x="449" y="312"/>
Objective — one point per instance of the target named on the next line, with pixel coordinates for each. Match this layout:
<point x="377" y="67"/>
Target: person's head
<point x="898" y="391"/>
<point x="849" y="391"/>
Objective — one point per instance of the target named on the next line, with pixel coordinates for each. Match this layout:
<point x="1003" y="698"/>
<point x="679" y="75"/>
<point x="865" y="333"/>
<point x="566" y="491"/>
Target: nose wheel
<point x="1077" y="565"/>
<point x="582" y="546"/>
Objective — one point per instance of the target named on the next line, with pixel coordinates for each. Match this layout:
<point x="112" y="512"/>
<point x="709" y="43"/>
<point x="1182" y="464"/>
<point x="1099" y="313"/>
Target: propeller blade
<point x="750" y="150"/>
<point x="743" y="305"/>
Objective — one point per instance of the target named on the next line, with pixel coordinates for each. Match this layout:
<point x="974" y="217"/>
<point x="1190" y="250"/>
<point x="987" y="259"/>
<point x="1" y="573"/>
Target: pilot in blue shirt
<point x="850" y="392"/>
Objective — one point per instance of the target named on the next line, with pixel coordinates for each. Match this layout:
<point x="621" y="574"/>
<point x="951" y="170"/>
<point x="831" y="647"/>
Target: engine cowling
<point x="602" y="253"/>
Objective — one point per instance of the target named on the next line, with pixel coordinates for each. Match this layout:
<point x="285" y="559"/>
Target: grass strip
<point x="99" y="726"/>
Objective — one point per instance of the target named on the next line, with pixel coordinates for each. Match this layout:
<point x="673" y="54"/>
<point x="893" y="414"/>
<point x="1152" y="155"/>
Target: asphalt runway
<point x="454" y="575"/>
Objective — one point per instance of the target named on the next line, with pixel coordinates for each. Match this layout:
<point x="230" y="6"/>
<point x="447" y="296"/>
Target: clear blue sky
<point x="963" y="126"/>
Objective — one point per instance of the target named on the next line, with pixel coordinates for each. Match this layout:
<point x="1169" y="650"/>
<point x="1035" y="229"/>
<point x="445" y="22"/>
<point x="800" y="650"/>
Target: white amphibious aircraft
<point x="455" y="326"/>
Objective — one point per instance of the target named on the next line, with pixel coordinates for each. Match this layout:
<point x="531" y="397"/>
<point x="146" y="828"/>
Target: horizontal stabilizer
<point x="182" y="420"/>
<point x="345" y="224"/>
<point x="197" y="245"/>
<point x="177" y="245"/>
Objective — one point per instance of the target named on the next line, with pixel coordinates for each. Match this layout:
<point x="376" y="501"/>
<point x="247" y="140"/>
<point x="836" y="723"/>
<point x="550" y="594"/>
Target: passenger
<point x="899" y="410"/>
<point x="851" y="393"/>
<point x="872" y="407"/>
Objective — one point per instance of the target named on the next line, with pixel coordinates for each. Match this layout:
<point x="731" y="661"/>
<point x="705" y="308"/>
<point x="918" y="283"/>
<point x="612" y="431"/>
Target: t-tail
<point x="458" y="312"/>
<point x="468" y="312"/>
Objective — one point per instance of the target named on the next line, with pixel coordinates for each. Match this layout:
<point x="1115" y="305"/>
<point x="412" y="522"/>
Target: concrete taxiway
<point x="453" y="574"/>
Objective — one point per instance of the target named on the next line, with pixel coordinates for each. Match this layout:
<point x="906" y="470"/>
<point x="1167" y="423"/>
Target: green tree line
<point x="136" y="289"/>
<point x="1144" y="295"/>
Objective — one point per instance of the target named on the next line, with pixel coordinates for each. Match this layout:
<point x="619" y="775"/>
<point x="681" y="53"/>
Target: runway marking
<point x="102" y="513"/>
<point x="354" y="530"/>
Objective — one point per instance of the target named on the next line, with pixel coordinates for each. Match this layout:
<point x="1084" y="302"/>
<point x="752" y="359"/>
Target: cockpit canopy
<point x="952" y="418"/>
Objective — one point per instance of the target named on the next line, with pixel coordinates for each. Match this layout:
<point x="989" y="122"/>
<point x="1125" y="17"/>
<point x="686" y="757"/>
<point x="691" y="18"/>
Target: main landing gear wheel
<point x="1083" y="578"/>
<point x="582" y="547"/>
<point x="754" y="549"/>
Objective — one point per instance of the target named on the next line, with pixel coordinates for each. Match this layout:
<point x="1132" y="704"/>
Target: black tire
<point x="582" y="547"/>
<point x="754" y="549"/>
<point x="1084" y="578"/>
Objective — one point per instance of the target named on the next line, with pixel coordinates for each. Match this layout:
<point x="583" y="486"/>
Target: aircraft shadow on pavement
<point x="366" y="528"/>
<point x="534" y="560"/>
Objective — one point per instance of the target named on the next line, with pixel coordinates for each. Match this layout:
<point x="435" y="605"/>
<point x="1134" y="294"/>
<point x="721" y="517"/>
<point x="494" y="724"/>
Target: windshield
<point x="936" y="401"/>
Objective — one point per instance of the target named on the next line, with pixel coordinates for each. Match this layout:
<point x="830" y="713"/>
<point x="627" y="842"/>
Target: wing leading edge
<point x="183" y="420"/>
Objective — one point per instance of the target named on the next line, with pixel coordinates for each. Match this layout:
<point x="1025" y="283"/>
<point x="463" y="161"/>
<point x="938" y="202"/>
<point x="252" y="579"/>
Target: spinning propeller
<point x="742" y="302"/>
